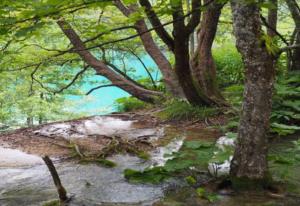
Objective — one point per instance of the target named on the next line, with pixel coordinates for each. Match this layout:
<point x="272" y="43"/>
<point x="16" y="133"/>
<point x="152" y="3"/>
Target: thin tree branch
<point x="108" y="32"/>
<point x="99" y="87"/>
<point x="73" y="80"/>
<point x="156" y="23"/>
<point x="287" y="48"/>
<point x="145" y="67"/>
<point x="265" y="22"/>
<point x="115" y="68"/>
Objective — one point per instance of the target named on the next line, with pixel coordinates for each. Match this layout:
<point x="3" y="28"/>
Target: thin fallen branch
<point x="62" y="193"/>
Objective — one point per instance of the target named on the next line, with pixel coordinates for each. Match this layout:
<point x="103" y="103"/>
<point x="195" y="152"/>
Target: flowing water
<point x="25" y="180"/>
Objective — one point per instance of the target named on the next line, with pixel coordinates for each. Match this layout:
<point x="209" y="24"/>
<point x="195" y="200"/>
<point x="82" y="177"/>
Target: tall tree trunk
<point x="272" y="18"/>
<point x="169" y="77"/>
<point x="203" y="65"/>
<point x="102" y="69"/>
<point x="295" y="54"/>
<point x="250" y="157"/>
<point x="182" y="59"/>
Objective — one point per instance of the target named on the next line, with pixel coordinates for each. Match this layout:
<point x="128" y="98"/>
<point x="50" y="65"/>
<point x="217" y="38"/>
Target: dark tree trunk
<point x="179" y="45"/>
<point x="29" y="121"/>
<point x="182" y="59"/>
<point x="250" y="157"/>
<point x="102" y="69"/>
<point x="294" y="61"/>
<point x="203" y="65"/>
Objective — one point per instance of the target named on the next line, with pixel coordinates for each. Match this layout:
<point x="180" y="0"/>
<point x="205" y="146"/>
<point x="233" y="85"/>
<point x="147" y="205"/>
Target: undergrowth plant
<point x="195" y="154"/>
<point x="127" y="104"/>
<point x="177" y="110"/>
<point x="285" y="116"/>
<point x="229" y="65"/>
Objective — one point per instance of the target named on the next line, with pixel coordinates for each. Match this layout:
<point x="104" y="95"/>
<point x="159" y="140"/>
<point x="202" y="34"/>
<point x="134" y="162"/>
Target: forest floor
<point x="93" y="134"/>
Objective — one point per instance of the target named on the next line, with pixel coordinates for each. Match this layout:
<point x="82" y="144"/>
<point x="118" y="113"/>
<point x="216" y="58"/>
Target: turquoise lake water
<point x="102" y="101"/>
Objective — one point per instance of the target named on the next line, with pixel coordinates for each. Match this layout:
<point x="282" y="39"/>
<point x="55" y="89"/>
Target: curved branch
<point x="265" y="22"/>
<point x="102" y="69"/>
<point x="155" y="21"/>
<point x="116" y="69"/>
<point x="73" y="80"/>
<point x="145" y="67"/>
<point x="99" y="87"/>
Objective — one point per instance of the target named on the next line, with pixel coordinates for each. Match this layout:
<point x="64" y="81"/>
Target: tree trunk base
<point x="244" y="183"/>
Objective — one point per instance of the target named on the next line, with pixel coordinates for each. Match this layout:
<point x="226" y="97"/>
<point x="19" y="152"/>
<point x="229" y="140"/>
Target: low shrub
<point x="181" y="110"/>
<point x="127" y="104"/>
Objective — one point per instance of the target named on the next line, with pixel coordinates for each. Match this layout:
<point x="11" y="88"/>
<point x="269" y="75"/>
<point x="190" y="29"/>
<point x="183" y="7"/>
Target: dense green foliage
<point x="285" y="109"/>
<point x="286" y="105"/>
<point x="230" y="69"/>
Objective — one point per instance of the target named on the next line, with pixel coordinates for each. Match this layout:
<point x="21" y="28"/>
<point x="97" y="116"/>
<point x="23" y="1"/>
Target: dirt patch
<point x="92" y="135"/>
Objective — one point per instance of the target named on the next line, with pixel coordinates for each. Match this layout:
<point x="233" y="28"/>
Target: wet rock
<point x="225" y="141"/>
<point x="222" y="169"/>
<point x="15" y="158"/>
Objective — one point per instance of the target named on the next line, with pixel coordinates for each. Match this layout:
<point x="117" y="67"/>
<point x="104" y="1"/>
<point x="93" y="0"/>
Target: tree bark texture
<point x="102" y="69"/>
<point x="203" y="65"/>
<point x="272" y="19"/>
<point x="250" y="157"/>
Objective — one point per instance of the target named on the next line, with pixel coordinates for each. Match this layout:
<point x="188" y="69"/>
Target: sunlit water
<point x="102" y="101"/>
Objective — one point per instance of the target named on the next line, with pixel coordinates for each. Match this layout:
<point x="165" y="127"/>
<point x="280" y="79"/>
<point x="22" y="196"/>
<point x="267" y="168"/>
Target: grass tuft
<point x="181" y="110"/>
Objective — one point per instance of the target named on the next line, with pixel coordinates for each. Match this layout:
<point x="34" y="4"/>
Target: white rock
<point x="159" y="155"/>
<point x="16" y="158"/>
<point x="224" y="141"/>
<point x="219" y="170"/>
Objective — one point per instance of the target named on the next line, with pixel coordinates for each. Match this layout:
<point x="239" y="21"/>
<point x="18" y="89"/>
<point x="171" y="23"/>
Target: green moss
<point x="192" y="154"/>
<point x="143" y="155"/>
<point x="154" y="175"/>
<point x="190" y="180"/>
<point x="101" y="161"/>
<point x="52" y="203"/>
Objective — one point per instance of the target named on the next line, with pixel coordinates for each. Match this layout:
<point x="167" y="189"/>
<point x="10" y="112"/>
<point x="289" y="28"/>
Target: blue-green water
<point x="102" y="101"/>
